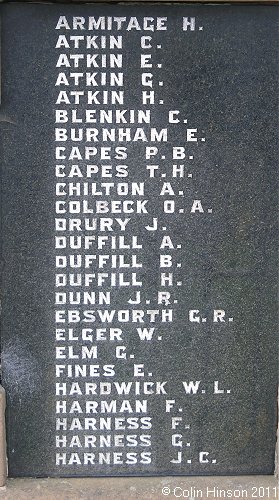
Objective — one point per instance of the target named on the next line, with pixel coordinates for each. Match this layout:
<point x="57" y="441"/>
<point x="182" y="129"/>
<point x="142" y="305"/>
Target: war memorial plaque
<point x="139" y="208"/>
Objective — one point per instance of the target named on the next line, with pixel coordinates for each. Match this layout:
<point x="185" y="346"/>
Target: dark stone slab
<point x="214" y="255"/>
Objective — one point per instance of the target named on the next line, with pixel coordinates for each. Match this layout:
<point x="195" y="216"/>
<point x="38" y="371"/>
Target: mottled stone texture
<point x="223" y="80"/>
<point x="3" y="455"/>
